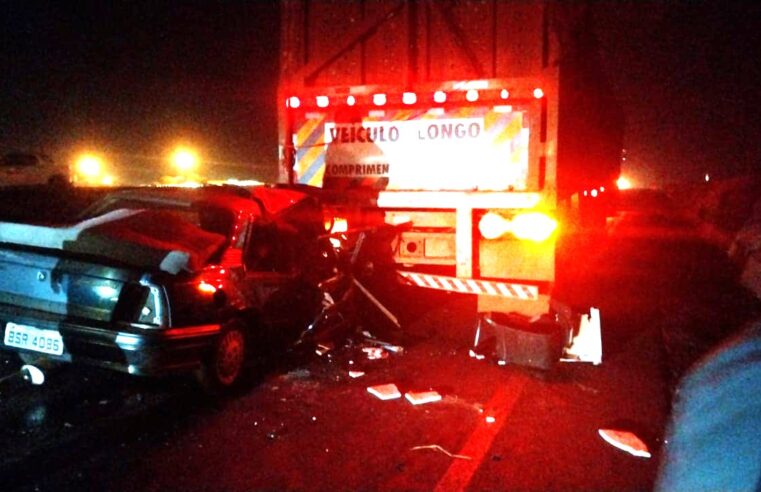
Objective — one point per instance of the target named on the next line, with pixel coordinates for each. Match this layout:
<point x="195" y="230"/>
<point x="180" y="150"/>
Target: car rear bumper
<point x="127" y="348"/>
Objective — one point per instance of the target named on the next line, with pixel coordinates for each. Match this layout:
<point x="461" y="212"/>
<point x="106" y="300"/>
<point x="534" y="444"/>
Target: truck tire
<point x="223" y="368"/>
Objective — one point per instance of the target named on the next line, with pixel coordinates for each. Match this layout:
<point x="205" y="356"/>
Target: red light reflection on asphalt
<point x="460" y="472"/>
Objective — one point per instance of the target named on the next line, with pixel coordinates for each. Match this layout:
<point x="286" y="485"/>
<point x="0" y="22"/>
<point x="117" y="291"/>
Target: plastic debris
<point x="438" y="448"/>
<point x="586" y="346"/>
<point x="323" y="348"/>
<point x="33" y="374"/>
<point x="625" y="441"/>
<point x="421" y="397"/>
<point x="476" y="355"/>
<point x="356" y="374"/>
<point x="385" y="391"/>
<point x="397" y="349"/>
<point x="375" y="353"/>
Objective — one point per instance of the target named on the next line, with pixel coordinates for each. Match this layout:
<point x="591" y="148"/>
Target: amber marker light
<point x="534" y="226"/>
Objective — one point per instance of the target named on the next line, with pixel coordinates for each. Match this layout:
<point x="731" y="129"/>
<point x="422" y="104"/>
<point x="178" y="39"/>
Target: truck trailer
<point x="485" y="125"/>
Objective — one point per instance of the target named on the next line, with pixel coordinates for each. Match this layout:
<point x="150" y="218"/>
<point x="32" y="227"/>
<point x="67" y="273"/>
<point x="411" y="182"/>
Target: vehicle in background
<point x="27" y="169"/>
<point x="163" y="280"/>
<point x="498" y="142"/>
<point x="648" y="214"/>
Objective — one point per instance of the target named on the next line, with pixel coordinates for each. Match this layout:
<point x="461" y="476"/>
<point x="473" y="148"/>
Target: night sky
<point x="134" y="78"/>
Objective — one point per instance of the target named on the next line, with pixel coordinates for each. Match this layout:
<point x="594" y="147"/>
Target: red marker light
<point x="538" y="93"/>
<point x="379" y="99"/>
<point x="471" y="95"/>
<point x="351" y="101"/>
<point x="409" y="98"/>
<point x="440" y="97"/>
<point x="293" y="102"/>
<point x="504" y="94"/>
<point x="322" y="101"/>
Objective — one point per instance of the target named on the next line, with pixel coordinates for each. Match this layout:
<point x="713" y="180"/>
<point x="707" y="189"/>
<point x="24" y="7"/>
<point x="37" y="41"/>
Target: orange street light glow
<point x="184" y="159"/>
<point x="89" y="166"/>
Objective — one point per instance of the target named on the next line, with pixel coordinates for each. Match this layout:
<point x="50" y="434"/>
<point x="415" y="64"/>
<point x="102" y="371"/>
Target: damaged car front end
<point x="158" y="281"/>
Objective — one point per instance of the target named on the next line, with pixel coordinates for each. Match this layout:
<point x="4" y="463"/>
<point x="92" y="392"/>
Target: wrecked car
<point x="154" y="281"/>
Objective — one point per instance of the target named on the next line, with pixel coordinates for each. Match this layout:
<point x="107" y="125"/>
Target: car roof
<point x="265" y="199"/>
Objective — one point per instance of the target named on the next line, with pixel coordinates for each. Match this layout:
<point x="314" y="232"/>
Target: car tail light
<point x="140" y="303"/>
<point x="152" y="311"/>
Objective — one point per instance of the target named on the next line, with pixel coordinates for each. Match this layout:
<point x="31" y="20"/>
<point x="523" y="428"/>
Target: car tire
<point x="223" y="368"/>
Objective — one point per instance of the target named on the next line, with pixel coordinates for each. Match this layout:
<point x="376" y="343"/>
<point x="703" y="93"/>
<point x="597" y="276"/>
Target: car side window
<point x="268" y="250"/>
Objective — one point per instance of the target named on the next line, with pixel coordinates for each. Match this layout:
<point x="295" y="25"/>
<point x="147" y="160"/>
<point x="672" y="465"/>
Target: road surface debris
<point x="438" y="448"/>
<point x="625" y="441"/>
<point x="385" y="391"/>
<point x="421" y="397"/>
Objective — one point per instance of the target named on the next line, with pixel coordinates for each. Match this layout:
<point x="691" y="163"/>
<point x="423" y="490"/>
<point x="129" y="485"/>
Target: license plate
<point x="31" y="338"/>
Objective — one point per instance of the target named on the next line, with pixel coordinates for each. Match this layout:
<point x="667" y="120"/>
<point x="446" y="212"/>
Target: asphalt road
<point x="302" y="423"/>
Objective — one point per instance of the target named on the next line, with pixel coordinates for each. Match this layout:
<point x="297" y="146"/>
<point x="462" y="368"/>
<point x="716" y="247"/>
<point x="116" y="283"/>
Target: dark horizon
<point x="133" y="78"/>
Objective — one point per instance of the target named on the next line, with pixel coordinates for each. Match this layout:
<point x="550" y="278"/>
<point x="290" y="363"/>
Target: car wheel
<point x="223" y="369"/>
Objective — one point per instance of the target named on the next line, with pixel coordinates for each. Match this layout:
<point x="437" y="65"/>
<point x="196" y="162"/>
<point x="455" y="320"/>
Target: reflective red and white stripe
<point x="471" y="286"/>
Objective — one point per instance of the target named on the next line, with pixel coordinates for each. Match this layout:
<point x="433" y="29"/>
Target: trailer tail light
<point x="379" y="99"/>
<point x="532" y="226"/>
<point x="293" y="102"/>
<point x="504" y="94"/>
<point x="538" y="93"/>
<point x="322" y="101"/>
<point x="351" y="100"/>
<point x="409" y="98"/>
<point x="471" y="95"/>
<point x="440" y="97"/>
<point x="493" y="225"/>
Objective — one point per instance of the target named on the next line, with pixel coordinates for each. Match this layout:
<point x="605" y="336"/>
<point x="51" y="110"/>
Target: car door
<point x="272" y="277"/>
